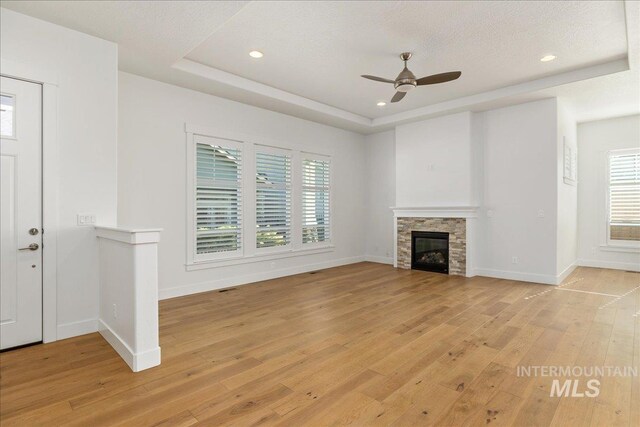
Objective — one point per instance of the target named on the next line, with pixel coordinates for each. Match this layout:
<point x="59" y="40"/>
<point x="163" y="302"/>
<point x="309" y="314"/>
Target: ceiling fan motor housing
<point x="405" y="81"/>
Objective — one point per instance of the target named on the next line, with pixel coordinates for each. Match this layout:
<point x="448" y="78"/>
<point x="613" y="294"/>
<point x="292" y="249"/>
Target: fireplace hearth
<point x="430" y="251"/>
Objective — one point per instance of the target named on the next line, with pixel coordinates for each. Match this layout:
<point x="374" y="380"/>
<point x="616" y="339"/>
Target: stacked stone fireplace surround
<point x="456" y="227"/>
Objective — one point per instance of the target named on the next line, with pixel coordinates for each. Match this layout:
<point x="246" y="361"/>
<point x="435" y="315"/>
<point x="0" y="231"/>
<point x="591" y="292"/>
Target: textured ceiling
<point x="149" y="34"/>
<point x="317" y="50"/>
<point x="320" y="49"/>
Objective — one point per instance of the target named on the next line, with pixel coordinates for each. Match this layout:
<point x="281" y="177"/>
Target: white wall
<point x="505" y="161"/>
<point x="520" y="149"/>
<point x="434" y="162"/>
<point x="86" y="70"/>
<point x="380" y="181"/>
<point x="151" y="172"/>
<point x="595" y="139"/>
<point x="567" y="195"/>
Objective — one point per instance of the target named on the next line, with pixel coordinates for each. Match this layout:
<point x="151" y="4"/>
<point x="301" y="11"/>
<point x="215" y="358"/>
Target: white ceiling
<point x="319" y="49"/>
<point x="316" y="51"/>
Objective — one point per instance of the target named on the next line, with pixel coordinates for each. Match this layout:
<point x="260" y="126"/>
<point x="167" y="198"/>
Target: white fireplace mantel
<point x="436" y="212"/>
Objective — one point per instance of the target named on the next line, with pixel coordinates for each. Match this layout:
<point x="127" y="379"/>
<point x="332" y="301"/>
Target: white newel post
<point x="129" y="293"/>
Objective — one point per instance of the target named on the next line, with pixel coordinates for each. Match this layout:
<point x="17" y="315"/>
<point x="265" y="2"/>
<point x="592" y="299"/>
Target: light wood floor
<point x="362" y="344"/>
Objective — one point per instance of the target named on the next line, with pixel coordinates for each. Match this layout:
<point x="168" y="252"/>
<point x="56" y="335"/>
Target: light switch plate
<point x="86" y="219"/>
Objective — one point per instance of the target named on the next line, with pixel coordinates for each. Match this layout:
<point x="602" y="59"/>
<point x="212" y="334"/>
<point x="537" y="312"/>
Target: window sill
<point x="620" y="248"/>
<point x="202" y="265"/>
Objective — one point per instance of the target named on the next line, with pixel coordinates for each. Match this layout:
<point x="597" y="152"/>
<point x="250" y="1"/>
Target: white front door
<point x="20" y="212"/>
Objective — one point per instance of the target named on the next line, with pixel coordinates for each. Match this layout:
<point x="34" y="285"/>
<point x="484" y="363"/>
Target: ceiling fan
<point x="406" y="80"/>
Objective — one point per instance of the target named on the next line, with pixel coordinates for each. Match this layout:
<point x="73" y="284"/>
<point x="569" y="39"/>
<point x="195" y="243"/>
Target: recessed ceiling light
<point x="256" y="54"/>
<point x="548" y="58"/>
<point x="381" y="104"/>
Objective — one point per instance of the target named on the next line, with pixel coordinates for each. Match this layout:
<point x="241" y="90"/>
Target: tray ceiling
<point x="315" y="52"/>
<point x="318" y="50"/>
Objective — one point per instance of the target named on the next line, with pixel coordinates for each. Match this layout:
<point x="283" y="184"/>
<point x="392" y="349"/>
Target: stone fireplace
<point x="457" y="224"/>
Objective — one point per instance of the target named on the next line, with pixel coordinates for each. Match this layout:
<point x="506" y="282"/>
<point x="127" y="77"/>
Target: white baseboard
<point x="136" y="361"/>
<point x="546" y="279"/>
<point x="250" y="278"/>
<point x="565" y="273"/>
<point x="615" y="265"/>
<point x="379" y="259"/>
<point x="73" y="329"/>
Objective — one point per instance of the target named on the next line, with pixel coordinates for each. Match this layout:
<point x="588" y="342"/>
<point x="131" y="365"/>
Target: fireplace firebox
<point x="430" y="251"/>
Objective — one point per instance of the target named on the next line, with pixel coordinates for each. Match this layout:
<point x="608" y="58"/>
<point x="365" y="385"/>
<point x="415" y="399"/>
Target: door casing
<point x="49" y="82"/>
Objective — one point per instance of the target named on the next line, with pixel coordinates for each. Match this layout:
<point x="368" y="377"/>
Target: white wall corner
<point x="566" y="272"/>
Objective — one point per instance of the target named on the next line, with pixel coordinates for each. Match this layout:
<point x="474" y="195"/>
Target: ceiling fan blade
<point x="378" y="79"/>
<point x="439" y="78"/>
<point x="398" y="96"/>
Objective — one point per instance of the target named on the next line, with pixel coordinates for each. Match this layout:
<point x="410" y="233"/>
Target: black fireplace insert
<point x="430" y="251"/>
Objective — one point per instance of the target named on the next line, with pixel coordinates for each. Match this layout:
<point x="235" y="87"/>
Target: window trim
<point x="615" y="245"/>
<point x="250" y="253"/>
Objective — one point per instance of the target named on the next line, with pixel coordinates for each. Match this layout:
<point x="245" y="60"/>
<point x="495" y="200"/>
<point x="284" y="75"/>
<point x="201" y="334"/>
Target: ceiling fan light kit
<point x="407" y="81"/>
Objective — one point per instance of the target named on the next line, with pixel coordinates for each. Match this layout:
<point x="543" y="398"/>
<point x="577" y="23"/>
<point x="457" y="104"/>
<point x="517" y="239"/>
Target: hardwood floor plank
<point x="362" y="344"/>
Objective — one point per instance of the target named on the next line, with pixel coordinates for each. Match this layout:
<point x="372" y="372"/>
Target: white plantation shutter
<point x="218" y="199"/>
<point x="624" y="188"/>
<point x="273" y="199"/>
<point x="315" y="200"/>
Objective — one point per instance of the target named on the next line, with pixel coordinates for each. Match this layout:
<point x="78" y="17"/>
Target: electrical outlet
<point x="115" y="311"/>
<point x="514" y="260"/>
<point x="540" y="213"/>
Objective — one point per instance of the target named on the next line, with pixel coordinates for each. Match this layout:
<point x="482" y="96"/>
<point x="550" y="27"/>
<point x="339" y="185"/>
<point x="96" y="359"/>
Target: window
<point x="7" y="115"/>
<point x="315" y="200"/>
<point x="624" y="195"/>
<point x="253" y="202"/>
<point x="273" y="198"/>
<point x="218" y="197"/>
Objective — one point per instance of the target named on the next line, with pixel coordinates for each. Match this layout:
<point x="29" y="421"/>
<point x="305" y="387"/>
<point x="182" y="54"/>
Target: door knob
<point x="31" y="247"/>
